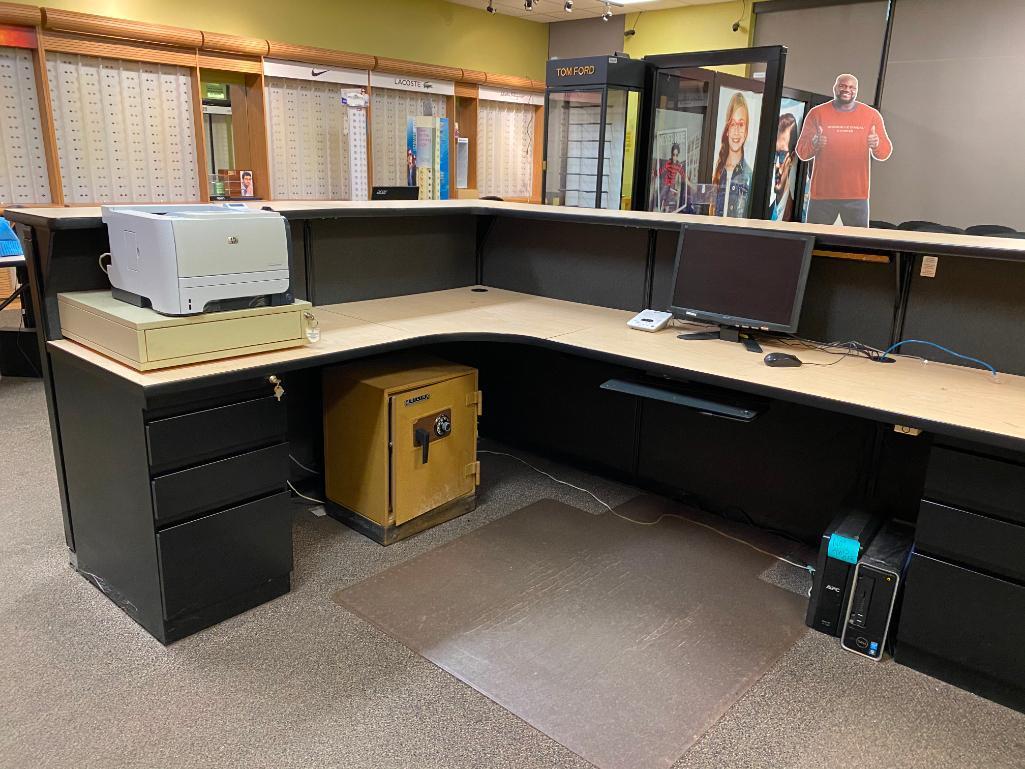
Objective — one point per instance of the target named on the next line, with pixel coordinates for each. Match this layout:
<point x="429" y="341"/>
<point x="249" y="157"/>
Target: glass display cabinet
<point x="709" y="135"/>
<point x="592" y="114"/>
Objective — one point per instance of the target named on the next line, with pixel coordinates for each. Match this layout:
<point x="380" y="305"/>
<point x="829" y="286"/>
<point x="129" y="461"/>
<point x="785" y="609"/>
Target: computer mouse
<point x="781" y="359"/>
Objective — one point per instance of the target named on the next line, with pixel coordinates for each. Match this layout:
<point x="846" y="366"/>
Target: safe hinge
<point x="475" y="398"/>
<point x="473" y="469"/>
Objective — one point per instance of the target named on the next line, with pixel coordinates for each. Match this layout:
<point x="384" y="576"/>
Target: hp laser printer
<point x="188" y="259"/>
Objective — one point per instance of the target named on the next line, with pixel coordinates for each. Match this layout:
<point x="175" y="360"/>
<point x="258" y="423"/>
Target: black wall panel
<point x="847" y="299"/>
<point x="369" y="258"/>
<point x="552" y="403"/>
<point x="596" y="264"/>
<point x="789" y="469"/>
<point x="973" y="306"/>
<point x="662" y="275"/>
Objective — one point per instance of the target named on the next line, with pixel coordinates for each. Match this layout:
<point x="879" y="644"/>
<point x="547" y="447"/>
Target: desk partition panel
<point x="353" y="259"/>
<point x="592" y="263"/>
<point x="973" y="306"/>
<point x="848" y="300"/>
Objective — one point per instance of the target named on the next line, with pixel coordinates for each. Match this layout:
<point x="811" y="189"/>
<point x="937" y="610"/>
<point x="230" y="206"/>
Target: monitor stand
<point x="727" y="334"/>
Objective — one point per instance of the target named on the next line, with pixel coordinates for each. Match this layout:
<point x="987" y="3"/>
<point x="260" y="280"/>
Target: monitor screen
<point x="741" y="277"/>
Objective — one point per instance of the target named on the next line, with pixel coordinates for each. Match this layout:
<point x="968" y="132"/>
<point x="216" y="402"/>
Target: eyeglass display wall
<point x="124" y="130"/>
<point x="317" y="140"/>
<point x="592" y="112"/>
<point x="23" y="175"/>
<point x="391" y="110"/>
<point x="505" y="154"/>
<point x="709" y="137"/>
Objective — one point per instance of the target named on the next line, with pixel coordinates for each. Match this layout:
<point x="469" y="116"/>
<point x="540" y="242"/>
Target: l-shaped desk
<point x="173" y="481"/>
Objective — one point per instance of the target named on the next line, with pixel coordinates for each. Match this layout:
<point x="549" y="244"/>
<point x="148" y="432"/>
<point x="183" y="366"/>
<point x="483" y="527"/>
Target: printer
<point x="189" y="259"/>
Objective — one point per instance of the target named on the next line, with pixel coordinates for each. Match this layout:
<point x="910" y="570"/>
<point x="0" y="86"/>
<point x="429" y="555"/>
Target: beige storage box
<point x="147" y="340"/>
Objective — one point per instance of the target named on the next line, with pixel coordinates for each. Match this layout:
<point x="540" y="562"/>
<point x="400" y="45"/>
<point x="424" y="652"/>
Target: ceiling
<point x="552" y="10"/>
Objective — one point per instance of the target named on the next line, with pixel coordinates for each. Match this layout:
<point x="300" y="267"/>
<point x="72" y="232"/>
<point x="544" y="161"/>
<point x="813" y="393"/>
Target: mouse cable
<point x="806" y="567"/>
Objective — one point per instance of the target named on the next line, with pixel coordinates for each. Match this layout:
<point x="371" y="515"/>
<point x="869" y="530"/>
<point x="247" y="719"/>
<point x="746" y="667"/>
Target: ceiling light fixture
<point x="608" y="13"/>
<point x="568" y="6"/>
<point x="491" y="6"/>
<point x="528" y="5"/>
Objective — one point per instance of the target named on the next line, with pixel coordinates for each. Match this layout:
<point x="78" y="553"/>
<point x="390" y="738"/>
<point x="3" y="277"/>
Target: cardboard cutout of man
<point x="842" y="137"/>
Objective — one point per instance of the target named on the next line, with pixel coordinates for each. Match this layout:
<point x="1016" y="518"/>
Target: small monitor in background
<point x="396" y="193"/>
<point x="740" y="278"/>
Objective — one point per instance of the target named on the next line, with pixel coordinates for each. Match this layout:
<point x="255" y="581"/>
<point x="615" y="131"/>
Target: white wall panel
<point x="390" y="109"/>
<point x="124" y="130"/>
<point x="505" y="155"/>
<point x="23" y="175"/>
<point x="317" y="143"/>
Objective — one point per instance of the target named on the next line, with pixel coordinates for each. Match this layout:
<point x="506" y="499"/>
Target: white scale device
<point x="650" y="320"/>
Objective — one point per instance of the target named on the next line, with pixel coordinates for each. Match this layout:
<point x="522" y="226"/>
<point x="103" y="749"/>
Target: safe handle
<point x="422" y="438"/>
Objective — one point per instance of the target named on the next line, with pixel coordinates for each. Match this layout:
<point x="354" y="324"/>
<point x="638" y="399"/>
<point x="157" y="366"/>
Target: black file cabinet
<point x="963" y="618"/>
<point x="181" y="513"/>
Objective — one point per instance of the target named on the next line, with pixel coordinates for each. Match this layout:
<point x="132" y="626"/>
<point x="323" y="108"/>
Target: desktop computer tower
<point x="400" y="444"/>
<point x="875" y="591"/>
<point x="842" y="545"/>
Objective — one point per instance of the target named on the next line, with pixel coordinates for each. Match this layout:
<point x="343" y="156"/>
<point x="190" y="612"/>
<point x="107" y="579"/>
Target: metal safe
<point x="400" y="444"/>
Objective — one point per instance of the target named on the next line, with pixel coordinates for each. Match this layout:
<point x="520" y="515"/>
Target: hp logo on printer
<point x="233" y="240"/>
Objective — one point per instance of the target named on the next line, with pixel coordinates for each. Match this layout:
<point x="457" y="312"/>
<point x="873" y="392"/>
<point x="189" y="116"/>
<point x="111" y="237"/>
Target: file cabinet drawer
<point x="187" y="439"/>
<point x="215" y="558"/>
<point x="217" y="484"/>
<point x="965" y="628"/>
<point x="995" y="546"/>
<point x="979" y="483"/>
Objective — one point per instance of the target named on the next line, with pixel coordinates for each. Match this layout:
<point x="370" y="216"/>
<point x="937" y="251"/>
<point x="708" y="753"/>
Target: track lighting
<point x="491" y="6"/>
<point x="528" y="5"/>
<point x="568" y="6"/>
<point x="608" y="13"/>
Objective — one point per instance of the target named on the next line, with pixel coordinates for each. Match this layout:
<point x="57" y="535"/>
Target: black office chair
<point x="989" y="229"/>
<point x="879" y="224"/>
<point x="919" y="226"/>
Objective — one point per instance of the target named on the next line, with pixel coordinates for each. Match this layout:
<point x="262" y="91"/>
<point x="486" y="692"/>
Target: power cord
<point x="300" y="494"/>
<point x="806" y="567"/>
<point x="304" y="467"/>
<point x="947" y="350"/>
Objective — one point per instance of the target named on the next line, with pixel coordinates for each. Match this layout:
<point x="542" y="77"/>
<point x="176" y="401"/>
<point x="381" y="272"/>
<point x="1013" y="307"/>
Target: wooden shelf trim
<point x="103" y="26"/>
<point x="247" y="46"/>
<point x="20" y="15"/>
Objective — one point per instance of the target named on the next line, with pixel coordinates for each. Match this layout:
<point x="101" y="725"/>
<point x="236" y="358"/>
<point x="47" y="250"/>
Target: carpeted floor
<point x="299" y="682"/>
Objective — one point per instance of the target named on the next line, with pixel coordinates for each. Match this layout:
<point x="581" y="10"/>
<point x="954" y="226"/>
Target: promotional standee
<point x="737" y="129"/>
<point x="840" y="139"/>
<point x="783" y="196"/>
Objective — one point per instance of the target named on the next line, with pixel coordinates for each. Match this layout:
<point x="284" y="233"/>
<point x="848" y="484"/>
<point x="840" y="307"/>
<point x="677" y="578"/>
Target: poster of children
<point x="670" y="184"/>
<point x="785" y="160"/>
<point x="737" y="128"/>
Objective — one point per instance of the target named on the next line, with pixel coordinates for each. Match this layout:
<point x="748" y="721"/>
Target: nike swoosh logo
<point x="318" y="73"/>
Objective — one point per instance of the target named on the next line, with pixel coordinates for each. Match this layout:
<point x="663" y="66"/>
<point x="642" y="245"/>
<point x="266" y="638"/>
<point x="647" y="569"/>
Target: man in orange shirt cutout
<point x="841" y="137"/>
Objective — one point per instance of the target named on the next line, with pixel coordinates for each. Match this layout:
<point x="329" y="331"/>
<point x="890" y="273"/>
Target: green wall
<point x="690" y="28"/>
<point x="430" y="31"/>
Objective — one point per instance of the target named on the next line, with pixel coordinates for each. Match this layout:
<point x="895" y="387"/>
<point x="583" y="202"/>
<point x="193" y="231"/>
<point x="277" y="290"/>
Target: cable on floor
<point x="806" y="567"/>
<point x="300" y="494"/>
<point x="304" y="467"/>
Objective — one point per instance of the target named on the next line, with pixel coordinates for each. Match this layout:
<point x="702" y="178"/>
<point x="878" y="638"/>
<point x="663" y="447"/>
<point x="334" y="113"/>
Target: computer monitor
<point x="740" y="278"/>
